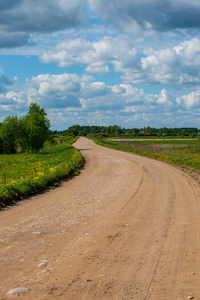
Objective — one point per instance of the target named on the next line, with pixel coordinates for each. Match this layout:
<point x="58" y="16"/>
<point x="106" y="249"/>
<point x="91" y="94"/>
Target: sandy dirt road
<point x="126" y="228"/>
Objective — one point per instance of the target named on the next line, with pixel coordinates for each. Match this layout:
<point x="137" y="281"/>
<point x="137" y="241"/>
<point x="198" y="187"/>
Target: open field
<point x="184" y="153"/>
<point x="24" y="174"/>
<point x="152" y="140"/>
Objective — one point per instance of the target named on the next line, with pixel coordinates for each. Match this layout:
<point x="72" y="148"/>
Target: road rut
<point x="127" y="227"/>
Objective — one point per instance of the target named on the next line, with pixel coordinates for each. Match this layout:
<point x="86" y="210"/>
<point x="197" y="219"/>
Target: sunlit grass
<point x="24" y="174"/>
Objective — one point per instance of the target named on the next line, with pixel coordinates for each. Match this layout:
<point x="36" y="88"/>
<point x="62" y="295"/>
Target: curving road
<point x="126" y="228"/>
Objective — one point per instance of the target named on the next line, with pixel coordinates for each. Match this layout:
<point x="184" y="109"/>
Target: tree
<point x="9" y="131"/>
<point x="22" y="137"/>
<point x="26" y="133"/>
<point x="74" y="130"/>
<point x="37" y="128"/>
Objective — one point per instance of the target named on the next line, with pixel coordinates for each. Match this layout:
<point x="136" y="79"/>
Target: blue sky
<point x="133" y="63"/>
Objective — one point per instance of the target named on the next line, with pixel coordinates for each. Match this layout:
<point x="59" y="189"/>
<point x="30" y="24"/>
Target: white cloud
<point x="96" y="55"/>
<point x="70" y="99"/>
<point x="97" y="68"/>
<point x="94" y="89"/>
<point x="165" y="98"/>
<point x="192" y="100"/>
<point x="12" y="103"/>
<point x="56" y="90"/>
<point x="178" y="67"/>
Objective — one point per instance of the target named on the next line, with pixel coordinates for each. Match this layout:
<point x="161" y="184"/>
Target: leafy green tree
<point x="22" y="138"/>
<point x="9" y="134"/>
<point x="37" y="128"/>
<point x="73" y="130"/>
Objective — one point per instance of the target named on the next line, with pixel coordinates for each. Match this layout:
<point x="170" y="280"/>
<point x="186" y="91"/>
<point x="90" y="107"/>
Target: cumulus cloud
<point x="98" y="96"/>
<point x="83" y="100"/>
<point x="71" y="91"/>
<point x="97" y="55"/>
<point x="21" y="18"/>
<point x="56" y="90"/>
<point x="97" y="68"/>
<point x="12" y="103"/>
<point x="165" y="98"/>
<point x="148" y="15"/>
<point x="178" y="67"/>
<point x="192" y="100"/>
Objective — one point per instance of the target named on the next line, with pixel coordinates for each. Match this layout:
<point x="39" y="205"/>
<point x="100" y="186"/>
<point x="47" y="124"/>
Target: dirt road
<point x="127" y="228"/>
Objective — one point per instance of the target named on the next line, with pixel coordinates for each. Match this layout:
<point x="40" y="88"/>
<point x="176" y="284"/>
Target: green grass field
<point x="182" y="152"/>
<point x="25" y="174"/>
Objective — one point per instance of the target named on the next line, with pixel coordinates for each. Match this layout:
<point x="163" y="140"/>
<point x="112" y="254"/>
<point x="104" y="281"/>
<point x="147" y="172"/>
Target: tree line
<point x="27" y="133"/>
<point x="114" y="131"/>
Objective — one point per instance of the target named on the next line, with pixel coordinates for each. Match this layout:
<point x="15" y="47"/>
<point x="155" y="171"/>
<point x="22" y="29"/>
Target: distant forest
<point x="114" y="131"/>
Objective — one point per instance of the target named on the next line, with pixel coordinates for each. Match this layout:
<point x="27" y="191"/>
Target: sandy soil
<point x="126" y="228"/>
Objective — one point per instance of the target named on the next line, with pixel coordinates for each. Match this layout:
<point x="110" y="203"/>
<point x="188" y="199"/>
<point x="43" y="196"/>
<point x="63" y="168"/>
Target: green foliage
<point x="9" y="132"/>
<point x="22" y="134"/>
<point x="26" y="133"/>
<point x="37" y="127"/>
<point x="1" y="145"/>
<point x="24" y="174"/>
<point x="114" y="131"/>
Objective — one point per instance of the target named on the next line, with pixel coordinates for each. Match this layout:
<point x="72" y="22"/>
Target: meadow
<point x="26" y="174"/>
<point x="182" y="152"/>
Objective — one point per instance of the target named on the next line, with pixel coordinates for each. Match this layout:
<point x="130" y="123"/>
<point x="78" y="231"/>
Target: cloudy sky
<point x="133" y="63"/>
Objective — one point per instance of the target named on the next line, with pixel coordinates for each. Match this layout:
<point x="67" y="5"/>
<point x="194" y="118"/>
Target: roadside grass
<point x="182" y="152"/>
<point x="25" y="174"/>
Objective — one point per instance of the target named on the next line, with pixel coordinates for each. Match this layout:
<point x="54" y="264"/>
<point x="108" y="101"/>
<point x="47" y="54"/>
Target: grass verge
<point x="26" y="174"/>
